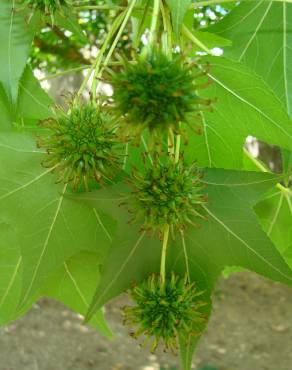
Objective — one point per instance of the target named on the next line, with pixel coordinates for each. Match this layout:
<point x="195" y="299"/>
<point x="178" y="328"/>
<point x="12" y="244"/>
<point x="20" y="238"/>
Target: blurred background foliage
<point x="56" y="48"/>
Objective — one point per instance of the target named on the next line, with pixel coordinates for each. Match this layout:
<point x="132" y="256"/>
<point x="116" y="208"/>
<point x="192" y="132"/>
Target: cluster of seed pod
<point x="157" y="93"/>
<point x="164" y="311"/>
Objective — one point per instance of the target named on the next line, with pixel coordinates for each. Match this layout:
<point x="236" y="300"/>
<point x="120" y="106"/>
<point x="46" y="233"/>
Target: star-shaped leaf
<point x="15" y="39"/>
<point x="243" y="105"/>
<point x="10" y="272"/>
<point x="52" y="227"/>
<point x="275" y="213"/>
<point x="33" y="103"/>
<point x="231" y="236"/>
<point x="261" y="34"/>
<point x="72" y="284"/>
<point x="178" y="10"/>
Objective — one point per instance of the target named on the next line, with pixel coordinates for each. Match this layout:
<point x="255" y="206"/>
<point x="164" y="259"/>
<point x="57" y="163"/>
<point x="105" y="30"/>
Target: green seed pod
<point x="82" y="145"/>
<point x="164" y="311"/>
<point x="167" y="194"/>
<point x="157" y="93"/>
<point x="46" y="7"/>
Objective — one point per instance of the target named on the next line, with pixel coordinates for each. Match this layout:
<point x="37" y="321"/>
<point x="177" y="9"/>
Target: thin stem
<point x="186" y="255"/>
<point x="98" y="60"/>
<point x="170" y="141"/>
<point x="177" y="148"/>
<point x="141" y="27"/>
<point x="63" y="73"/>
<point x="147" y="149"/>
<point x="262" y="168"/>
<point x="154" y="22"/>
<point x="98" y="72"/>
<point x="99" y="7"/>
<point x="210" y="2"/>
<point x="121" y="30"/>
<point x="78" y="69"/>
<point x="167" y="29"/>
<point x="215" y="2"/>
<point x="126" y="156"/>
<point x="163" y="13"/>
<point x="257" y="163"/>
<point x="163" y="254"/>
<point x="195" y="40"/>
<point x="167" y="46"/>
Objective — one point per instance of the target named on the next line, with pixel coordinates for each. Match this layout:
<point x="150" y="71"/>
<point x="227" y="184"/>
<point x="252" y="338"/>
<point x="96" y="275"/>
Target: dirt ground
<point x="251" y="329"/>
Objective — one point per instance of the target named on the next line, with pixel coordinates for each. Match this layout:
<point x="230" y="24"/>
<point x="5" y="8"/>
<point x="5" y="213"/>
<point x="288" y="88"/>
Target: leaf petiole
<point x="98" y="71"/>
<point x="163" y="254"/>
<point x="195" y="40"/>
<point x="154" y="22"/>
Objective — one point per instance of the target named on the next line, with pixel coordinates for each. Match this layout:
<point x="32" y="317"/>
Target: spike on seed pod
<point x="167" y="194"/>
<point x="161" y="312"/>
<point x="157" y="93"/>
<point x="47" y="7"/>
<point x="82" y="145"/>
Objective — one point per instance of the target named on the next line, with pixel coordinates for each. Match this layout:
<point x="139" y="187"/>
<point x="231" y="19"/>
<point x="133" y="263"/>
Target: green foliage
<point x="178" y="10"/>
<point x="15" y="38"/>
<point x="57" y="218"/>
<point x="238" y="112"/>
<point x="275" y="214"/>
<point x="71" y="286"/>
<point x="267" y="52"/>
<point x="82" y="248"/>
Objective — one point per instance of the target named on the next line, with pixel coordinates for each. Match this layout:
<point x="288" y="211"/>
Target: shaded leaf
<point x="10" y="273"/>
<point x="231" y="236"/>
<point x="52" y="227"/>
<point x="33" y="102"/>
<point x="6" y="115"/>
<point x="74" y="285"/>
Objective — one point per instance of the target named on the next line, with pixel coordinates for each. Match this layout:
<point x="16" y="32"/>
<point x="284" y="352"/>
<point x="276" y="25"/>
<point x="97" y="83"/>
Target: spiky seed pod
<point x="167" y="194"/>
<point x="47" y="7"/>
<point x="164" y="311"/>
<point x="157" y="93"/>
<point x="82" y="145"/>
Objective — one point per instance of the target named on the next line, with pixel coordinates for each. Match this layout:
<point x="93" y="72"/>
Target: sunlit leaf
<point x="178" y="10"/>
<point x="15" y="40"/>
<point x="243" y="105"/>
